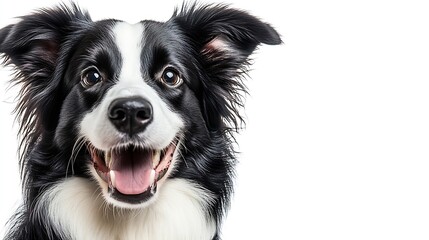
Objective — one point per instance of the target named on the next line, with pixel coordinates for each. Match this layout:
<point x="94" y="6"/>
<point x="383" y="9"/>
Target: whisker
<point x="75" y="150"/>
<point x="178" y="141"/>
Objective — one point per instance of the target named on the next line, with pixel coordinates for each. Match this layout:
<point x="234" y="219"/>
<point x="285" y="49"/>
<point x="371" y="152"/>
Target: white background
<point x="337" y="138"/>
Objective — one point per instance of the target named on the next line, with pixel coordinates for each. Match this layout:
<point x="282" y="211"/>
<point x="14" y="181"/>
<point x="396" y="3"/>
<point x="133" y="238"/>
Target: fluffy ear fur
<point x="33" y="47"/>
<point x="224" y="38"/>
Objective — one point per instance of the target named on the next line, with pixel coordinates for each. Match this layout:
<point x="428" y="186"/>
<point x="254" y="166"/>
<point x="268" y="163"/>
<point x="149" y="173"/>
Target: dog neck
<point x="77" y="210"/>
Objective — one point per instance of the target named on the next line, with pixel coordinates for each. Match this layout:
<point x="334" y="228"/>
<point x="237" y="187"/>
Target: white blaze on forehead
<point x="129" y="39"/>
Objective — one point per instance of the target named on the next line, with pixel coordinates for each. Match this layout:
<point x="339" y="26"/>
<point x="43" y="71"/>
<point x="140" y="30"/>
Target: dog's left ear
<point x="224" y="38"/>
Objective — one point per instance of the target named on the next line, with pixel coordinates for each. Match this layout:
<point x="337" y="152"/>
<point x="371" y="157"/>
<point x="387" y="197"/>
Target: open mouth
<point x="132" y="172"/>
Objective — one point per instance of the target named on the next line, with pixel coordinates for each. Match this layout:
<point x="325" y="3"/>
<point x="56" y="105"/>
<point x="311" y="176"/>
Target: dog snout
<point x="130" y="115"/>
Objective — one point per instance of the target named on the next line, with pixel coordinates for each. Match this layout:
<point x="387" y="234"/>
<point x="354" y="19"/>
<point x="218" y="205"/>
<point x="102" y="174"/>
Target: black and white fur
<point x="64" y="113"/>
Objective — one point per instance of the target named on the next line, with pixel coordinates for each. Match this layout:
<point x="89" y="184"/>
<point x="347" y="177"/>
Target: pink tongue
<point x="132" y="170"/>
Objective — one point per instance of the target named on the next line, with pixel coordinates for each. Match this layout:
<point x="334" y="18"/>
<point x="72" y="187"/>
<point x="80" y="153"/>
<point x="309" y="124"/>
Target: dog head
<point x="125" y="100"/>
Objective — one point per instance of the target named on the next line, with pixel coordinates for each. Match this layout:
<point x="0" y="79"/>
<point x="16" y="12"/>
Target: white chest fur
<point x="76" y="208"/>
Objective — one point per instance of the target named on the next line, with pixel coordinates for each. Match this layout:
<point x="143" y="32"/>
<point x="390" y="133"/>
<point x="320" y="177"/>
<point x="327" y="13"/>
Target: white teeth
<point x="156" y="157"/>
<point x="152" y="181"/>
<point x="108" y="159"/>
<point x="112" y="178"/>
<point x="152" y="177"/>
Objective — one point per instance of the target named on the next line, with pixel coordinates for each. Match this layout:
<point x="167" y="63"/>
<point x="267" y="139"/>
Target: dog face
<point x="136" y="82"/>
<point x="138" y="103"/>
<point x="125" y="101"/>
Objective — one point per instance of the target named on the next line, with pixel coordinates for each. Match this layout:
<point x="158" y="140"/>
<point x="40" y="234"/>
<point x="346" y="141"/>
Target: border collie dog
<point x="127" y="129"/>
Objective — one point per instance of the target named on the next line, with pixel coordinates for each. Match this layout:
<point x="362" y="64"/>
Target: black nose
<point x="130" y="115"/>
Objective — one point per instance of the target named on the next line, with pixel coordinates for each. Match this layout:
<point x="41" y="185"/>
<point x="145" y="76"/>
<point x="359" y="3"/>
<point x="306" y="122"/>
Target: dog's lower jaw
<point x="106" y="194"/>
<point x="76" y="211"/>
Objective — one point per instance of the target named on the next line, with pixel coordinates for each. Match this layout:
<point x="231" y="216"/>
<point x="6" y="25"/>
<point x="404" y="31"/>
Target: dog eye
<point x="171" y="77"/>
<point x="91" y="77"/>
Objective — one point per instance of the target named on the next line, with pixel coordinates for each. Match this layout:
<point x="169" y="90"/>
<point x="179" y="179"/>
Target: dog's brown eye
<point x="91" y="77"/>
<point x="171" y="77"/>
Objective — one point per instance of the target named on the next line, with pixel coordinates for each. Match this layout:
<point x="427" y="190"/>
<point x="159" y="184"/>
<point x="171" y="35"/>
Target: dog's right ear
<point x="32" y="46"/>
